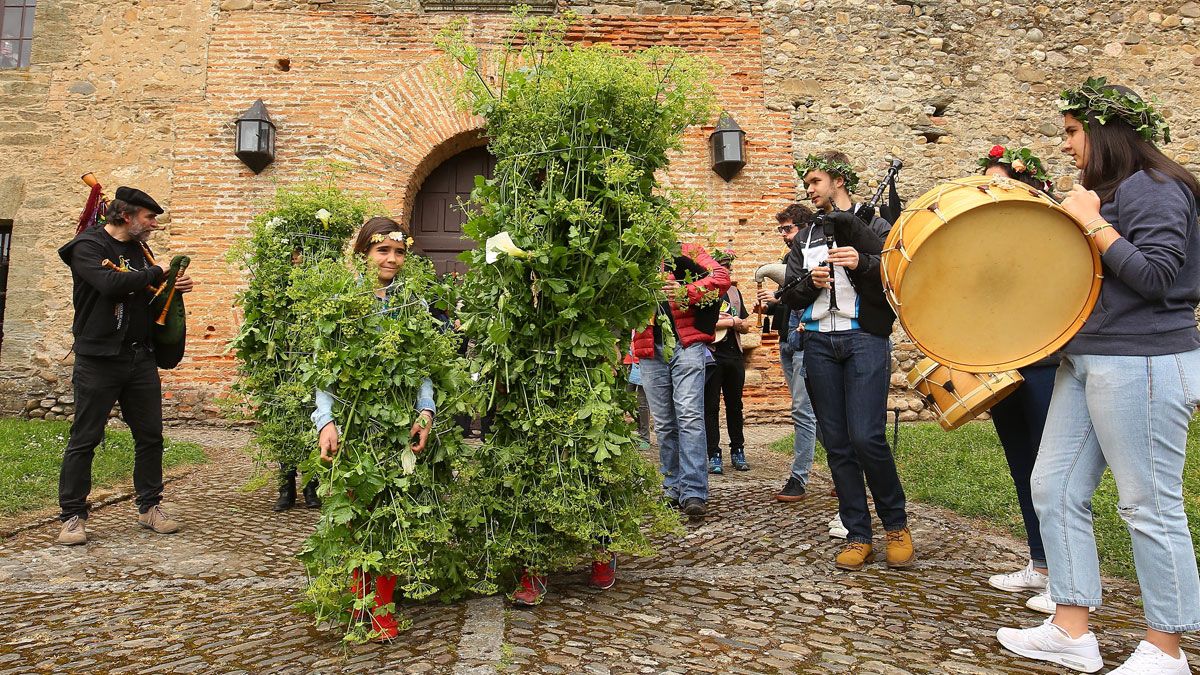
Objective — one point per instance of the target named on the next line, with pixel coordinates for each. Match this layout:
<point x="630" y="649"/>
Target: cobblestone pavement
<point x="751" y="589"/>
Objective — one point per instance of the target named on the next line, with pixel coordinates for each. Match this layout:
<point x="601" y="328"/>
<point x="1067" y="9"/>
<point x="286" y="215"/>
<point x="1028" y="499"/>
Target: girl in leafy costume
<point x="379" y="357"/>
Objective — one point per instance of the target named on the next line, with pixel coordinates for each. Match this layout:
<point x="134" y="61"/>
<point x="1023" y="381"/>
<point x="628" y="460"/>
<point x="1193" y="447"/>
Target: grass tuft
<point x="31" y="454"/>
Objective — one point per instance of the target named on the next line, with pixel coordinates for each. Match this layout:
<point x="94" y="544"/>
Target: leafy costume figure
<point x="574" y="231"/>
<point x="304" y="225"/>
<point x="382" y="363"/>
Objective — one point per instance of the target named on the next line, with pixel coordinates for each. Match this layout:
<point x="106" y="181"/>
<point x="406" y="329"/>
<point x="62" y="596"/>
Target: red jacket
<point x="717" y="281"/>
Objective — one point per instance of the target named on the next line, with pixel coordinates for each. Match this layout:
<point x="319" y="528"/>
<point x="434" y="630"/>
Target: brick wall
<point x="145" y="92"/>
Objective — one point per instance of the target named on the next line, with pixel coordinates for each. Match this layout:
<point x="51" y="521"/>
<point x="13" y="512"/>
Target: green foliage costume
<point x="306" y="224"/>
<point x="387" y="512"/>
<point x="575" y="233"/>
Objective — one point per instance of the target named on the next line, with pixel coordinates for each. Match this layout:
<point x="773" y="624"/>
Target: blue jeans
<point x="1019" y="420"/>
<point x="675" y="392"/>
<point x="1131" y="414"/>
<point x="848" y="377"/>
<point x="804" y="420"/>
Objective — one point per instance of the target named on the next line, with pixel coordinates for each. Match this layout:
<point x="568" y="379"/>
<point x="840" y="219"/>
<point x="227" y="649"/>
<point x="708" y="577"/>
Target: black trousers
<point x="130" y="378"/>
<point x="724" y="378"/>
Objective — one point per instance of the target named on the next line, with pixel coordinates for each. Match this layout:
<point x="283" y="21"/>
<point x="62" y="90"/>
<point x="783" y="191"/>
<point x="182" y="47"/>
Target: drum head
<point x="1000" y="286"/>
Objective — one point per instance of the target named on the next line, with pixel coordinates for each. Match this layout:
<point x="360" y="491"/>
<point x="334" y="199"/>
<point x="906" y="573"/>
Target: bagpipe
<point x="169" y="329"/>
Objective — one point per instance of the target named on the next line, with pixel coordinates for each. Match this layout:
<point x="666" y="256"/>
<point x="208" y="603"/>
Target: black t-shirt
<point x="137" y="305"/>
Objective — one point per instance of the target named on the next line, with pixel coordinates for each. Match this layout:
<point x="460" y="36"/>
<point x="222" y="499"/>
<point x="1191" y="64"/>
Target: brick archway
<point x="405" y="130"/>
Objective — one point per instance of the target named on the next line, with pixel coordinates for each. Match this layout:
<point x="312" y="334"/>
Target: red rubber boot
<point x="531" y="592"/>
<point x="383" y="622"/>
<point x="604" y="574"/>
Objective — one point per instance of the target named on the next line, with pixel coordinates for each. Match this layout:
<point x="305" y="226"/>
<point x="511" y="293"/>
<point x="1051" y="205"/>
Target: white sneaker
<point x="836" y="529"/>
<point x="1027" y="579"/>
<point x="1049" y="642"/>
<point x="1042" y="603"/>
<point x="1150" y="660"/>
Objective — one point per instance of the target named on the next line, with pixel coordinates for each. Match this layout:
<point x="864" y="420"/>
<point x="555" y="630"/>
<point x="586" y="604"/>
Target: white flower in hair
<point x="502" y="243"/>
<point x="323" y="216"/>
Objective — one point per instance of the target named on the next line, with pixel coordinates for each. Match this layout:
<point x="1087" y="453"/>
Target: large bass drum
<point x="989" y="275"/>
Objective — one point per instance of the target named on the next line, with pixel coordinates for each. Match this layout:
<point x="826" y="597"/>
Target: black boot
<point x="287" y="489"/>
<point x="311" y="500"/>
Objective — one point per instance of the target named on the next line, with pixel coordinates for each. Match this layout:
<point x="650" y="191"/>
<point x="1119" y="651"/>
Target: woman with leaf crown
<point x="1127" y="388"/>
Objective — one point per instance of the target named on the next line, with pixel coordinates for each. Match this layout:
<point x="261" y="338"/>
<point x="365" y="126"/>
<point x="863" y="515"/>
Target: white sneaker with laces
<point x="1042" y="603"/>
<point x="1150" y="660"/>
<point x="1027" y="579"/>
<point x="1049" y="642"/>
<point x="836" y="529"/>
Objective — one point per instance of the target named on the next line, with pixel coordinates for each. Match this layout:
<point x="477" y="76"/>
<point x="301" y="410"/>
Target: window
<point x="16" y="33"/>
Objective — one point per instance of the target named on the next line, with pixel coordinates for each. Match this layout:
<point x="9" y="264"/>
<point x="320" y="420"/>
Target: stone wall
<point x="145" y="92"/>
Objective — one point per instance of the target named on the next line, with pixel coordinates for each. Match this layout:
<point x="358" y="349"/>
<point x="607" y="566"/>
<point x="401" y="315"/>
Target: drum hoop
<point x="985" y="384"/>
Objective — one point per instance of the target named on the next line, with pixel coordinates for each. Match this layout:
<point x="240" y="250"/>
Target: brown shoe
<point x="156" y="519"/>
<point x="73" y="532"/>
<point x="854" y="556"/>
<point x="900" y="552"/>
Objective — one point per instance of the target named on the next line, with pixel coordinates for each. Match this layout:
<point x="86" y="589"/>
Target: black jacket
<point x="100" y="294"/>
<point x="875" y="315"/>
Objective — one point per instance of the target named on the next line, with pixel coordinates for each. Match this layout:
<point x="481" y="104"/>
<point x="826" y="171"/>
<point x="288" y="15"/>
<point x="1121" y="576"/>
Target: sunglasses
<point x="784" y="229"/>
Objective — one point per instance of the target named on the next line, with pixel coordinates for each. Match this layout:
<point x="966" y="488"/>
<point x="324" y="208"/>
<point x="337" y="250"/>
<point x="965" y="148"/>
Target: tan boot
<point x="156" y="519"/>
<point x="854" y="556"/>
<point x="73" y="533"/>
<point x="900" y="551"/>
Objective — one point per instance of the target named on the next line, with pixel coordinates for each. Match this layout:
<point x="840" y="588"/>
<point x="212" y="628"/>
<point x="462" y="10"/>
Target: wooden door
<point x="437" y="216"/>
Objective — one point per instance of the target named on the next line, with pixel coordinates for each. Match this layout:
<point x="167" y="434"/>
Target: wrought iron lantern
<point x="728" y="145"/>
<point x="256" y="137"/>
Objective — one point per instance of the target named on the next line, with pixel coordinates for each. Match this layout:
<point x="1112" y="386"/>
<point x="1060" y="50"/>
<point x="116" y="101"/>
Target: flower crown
<point x="379" y="238"/>
<point x="1021" y="161"/>
<point x="1096" y="98"/>
<point x="818" y="163"/>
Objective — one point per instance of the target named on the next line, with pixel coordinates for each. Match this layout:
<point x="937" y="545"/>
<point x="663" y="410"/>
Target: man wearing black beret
<point x="114" y="359"/>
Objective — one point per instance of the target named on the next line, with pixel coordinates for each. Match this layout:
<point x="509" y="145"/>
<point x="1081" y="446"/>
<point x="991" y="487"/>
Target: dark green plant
<point x="574" y="230"/>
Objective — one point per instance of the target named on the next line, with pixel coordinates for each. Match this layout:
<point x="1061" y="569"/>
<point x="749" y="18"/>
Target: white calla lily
<point x="323" y="216"/>
<point x="502" y="243"/>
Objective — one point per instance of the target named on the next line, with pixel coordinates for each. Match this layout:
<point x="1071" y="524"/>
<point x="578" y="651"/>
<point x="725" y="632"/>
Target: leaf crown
<point x="1104" y="102"/>
<point x="1019" y="161"/>
<point x="831" y="167"/>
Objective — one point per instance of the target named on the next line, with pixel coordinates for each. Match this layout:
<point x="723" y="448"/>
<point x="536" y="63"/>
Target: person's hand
<point x="741" y="325"/>
<point x="328" y="442"/>
<point x="765" y="297"/>
<point x="820" y="277"/>
<point x="844" y="256"/>
<point x="1082" y="203"/>
<point x="670" y="286"/>
<point x="184" y="283"/>
<point x="420" y="430"/>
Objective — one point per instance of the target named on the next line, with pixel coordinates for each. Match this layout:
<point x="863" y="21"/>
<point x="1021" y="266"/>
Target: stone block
<point x="1027" y="74"/>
